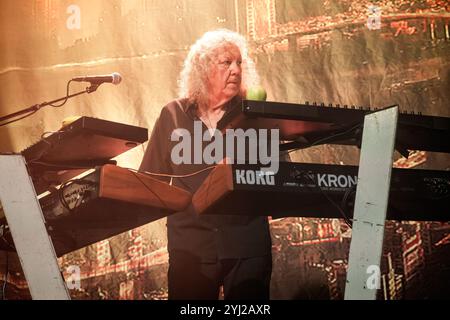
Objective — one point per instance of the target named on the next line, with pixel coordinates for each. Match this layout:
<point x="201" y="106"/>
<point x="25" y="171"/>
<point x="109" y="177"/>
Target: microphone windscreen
<point x="117" y="78"/>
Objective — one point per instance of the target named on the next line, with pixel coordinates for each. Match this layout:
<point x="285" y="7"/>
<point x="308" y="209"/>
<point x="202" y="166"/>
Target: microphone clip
<point x="93" y="87"/>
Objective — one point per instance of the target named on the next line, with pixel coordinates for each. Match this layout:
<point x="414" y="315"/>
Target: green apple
<point x="256" y="93"/>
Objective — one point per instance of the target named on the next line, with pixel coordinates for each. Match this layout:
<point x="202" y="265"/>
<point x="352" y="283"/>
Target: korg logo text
<point x="255" y="177"/>
<point x="332" y="180"/>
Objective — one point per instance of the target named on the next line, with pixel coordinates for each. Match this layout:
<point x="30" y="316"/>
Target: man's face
<point x="225" y="74"/>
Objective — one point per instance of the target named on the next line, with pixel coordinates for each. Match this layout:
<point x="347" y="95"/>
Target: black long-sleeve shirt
<point x="206" y="237"/>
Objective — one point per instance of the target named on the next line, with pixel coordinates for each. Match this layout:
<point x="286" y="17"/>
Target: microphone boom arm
<point x="36" y="107"/>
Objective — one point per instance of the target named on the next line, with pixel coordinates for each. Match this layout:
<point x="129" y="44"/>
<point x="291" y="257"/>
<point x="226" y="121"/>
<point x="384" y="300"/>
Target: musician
<point x="210" y="251"/>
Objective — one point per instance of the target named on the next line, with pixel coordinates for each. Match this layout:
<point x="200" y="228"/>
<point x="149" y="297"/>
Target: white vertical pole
<point x="26" y="222"/>
<point x="372" y="196"/>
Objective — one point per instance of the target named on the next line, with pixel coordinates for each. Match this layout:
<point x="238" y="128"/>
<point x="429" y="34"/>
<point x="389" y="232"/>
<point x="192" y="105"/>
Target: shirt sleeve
<point x="157" y="154"/>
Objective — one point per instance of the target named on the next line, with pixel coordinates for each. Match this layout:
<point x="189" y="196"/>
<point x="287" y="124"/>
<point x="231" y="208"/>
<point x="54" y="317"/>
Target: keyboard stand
<point x="26" y="222"/>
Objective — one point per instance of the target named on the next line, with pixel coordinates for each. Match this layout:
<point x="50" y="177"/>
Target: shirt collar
<point x="191" y="107"/>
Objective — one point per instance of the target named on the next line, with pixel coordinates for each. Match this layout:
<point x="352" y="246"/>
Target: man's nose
<point x="235" y="68"/>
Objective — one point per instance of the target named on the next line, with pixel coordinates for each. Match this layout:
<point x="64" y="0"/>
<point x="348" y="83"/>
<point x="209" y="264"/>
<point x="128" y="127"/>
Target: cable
<point x="61" y="195"/>
<point x="134" y="171"/>
<point x="322" y="140"/>
<point x="65" y="185"/>
<point x="39" y="106"/>
<point x="5" y="281"/>
<point x="174" y="175"/>
<point x="80" y="199"/>
<point x="44" y="150"/>
<point x="168" y="176"/>
<point x="346" y="219"/>
<point x="67" y="96"/>
<point x="156" y="195"/>
<point x="3" y="231"/>
<point x="349" y="191"/>
<point x="49" y="164"/>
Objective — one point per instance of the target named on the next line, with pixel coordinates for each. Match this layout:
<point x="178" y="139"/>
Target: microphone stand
<point x="36" y="107"/>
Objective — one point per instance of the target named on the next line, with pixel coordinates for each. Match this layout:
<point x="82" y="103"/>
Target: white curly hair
<point x="192" y="83"/>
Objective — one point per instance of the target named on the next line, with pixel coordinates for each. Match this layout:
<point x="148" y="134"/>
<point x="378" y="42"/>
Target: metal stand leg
<point x="27" y="224"/>
<point x="372" y="195"/>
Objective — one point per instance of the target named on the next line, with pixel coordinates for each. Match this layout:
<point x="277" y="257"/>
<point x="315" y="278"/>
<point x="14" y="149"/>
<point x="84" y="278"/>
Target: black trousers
<point x="242" y="279"/>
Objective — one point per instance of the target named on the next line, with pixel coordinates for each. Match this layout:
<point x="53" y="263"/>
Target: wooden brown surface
<point x="217" y="185"/>
<point x="125" y="185"/>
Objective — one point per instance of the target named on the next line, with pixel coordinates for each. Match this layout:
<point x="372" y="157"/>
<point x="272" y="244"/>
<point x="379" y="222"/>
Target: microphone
<point x="114" y="78"/>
